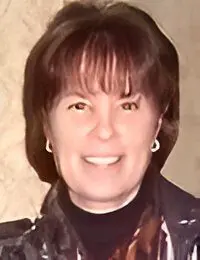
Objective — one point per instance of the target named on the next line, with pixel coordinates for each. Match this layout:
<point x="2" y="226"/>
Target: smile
<point x="102" y="160"/>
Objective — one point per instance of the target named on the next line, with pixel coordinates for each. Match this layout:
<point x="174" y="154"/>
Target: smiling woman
<point x="101" y="107"/>
<point x="119" y="51"/>
<point x="122" y="135"/>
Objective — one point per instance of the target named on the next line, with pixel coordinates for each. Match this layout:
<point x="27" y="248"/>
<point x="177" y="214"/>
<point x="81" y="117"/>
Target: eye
<point x="130" y="106"/>
<point x="80" y="106"/>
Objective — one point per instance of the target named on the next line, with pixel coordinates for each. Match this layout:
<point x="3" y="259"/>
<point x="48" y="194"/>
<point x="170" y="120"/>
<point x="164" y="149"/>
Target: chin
<point x="102" y="195"/>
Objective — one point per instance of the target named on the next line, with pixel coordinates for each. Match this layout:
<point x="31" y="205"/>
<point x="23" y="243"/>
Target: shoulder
<point x="14" y="228"/>
<point x="20" y="238"/>
<point x="176" y="202"/>
<point x="172" y="191"/>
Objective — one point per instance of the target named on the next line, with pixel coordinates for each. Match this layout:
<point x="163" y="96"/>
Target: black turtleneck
<point x="101" y="234"/>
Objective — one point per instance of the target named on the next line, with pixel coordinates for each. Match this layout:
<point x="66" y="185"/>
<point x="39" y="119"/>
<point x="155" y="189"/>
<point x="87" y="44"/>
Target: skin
<point x="101" y="125"/>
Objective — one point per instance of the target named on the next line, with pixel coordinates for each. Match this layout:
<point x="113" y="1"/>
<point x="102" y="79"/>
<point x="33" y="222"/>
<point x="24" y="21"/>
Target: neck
<point x="102" y="207"/>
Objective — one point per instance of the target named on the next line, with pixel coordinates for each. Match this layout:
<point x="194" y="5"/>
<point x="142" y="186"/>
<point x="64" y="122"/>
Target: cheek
<point x="61" y="136"/>
<point x="138" y="131"/>
<point x="68" y="136"/>
<point x="80" y="124"/>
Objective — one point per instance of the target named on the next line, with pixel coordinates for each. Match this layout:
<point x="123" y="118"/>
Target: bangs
<point x="112" y="56"/>
<point x="101" y="59"/>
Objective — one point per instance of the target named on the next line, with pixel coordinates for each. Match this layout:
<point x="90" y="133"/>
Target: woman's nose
<point x="105" y="128"/>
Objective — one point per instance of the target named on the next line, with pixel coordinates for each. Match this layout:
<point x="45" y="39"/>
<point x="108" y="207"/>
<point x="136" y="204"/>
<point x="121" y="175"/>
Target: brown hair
<point x="119" y="45"/>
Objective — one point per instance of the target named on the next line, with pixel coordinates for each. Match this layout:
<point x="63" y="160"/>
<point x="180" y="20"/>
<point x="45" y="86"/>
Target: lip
<point x="103" y="155"/>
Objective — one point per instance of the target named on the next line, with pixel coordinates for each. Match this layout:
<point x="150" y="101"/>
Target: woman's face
<point x="102" y="145"/>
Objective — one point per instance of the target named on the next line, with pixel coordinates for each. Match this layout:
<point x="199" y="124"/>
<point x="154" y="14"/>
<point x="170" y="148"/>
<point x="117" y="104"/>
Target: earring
<point x="48" y="147"/>
<point x="156" y="146"/>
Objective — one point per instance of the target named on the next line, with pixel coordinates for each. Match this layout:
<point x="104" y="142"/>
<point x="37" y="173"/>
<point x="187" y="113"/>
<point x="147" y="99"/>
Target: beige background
<point x="21" y="23"/>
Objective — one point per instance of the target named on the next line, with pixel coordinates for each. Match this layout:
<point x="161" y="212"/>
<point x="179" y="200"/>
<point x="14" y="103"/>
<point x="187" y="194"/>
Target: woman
<point x="101" y="106"/>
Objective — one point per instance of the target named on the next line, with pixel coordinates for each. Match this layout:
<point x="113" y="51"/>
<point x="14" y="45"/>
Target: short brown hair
<point x="118" y="44"/>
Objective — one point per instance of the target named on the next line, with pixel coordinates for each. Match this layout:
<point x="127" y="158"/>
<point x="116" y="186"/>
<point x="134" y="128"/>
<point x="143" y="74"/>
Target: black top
<point x="22" y="239"/>
<point x="101" y="234"/>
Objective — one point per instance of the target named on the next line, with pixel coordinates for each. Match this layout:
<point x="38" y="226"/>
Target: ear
<point x="159" y="124"/>
<point x="47" y="134"/>
<point x="160" y="120"/>
<point x="47" y="130"/>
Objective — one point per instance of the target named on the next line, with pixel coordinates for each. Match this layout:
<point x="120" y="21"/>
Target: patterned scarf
<point x="146" y="243"/>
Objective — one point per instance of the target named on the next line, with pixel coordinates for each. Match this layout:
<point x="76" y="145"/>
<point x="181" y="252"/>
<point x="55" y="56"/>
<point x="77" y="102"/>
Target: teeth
<point x="102" y="160"/>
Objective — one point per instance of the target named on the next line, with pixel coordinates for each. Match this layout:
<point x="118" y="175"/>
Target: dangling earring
<point x="156" y="146"/>
<point x="48" y="147"/>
